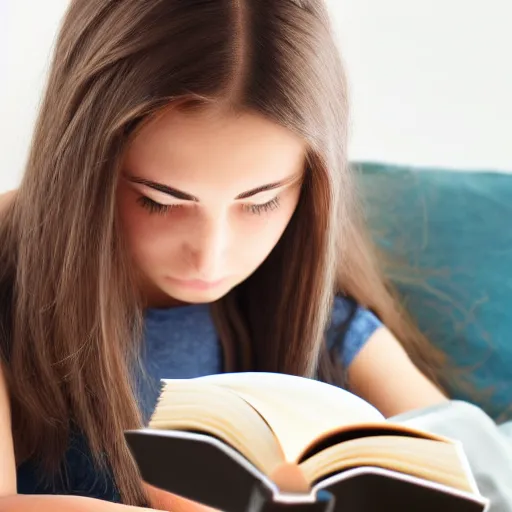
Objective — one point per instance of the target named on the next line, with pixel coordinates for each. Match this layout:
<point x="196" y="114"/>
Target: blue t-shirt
<point x="182" y="343"/>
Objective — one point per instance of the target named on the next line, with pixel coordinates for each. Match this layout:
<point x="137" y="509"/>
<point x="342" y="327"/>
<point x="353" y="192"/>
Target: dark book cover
<point x="204" y="469"/>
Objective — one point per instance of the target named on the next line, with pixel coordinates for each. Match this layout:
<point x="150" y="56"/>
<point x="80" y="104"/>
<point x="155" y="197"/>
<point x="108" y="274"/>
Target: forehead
<point x="214" y="147"/>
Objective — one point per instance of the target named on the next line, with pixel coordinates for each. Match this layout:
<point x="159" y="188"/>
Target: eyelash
<point x="258" y="209"/>
<point x="162" y="209"/>
<point x="154" y="207"/>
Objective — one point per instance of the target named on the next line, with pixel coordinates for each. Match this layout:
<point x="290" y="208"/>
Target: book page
<point x="192" y="405"/>
<point x="298" y="410"/>
<point x="424" y="458"/>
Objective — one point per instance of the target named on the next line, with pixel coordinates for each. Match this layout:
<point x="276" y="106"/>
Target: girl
<point x="187" y="208"/>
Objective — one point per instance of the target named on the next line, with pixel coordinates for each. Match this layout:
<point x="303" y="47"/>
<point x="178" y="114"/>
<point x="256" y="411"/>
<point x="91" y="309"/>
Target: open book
<point x="295" y="436"/>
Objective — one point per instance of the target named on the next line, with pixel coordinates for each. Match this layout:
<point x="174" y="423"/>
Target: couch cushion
<point x="454" y="230"/>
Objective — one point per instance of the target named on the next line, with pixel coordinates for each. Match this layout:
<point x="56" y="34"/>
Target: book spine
<point x="262" y="501"/>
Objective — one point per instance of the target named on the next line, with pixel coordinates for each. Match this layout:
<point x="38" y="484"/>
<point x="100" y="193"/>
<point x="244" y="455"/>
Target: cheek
<point x="143" y="233"/>
<point x="263" y="232"/>
<point x="130" y="219"/>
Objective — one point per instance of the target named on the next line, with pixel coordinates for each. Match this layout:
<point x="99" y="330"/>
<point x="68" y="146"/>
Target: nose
<point x="207" y="247"/>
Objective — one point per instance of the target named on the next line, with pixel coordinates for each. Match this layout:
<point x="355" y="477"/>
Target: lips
<point x="196" y="284"/>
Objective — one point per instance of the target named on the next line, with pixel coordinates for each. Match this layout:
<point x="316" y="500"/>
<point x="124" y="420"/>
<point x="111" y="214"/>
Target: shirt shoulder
<point x="351" y="327"/>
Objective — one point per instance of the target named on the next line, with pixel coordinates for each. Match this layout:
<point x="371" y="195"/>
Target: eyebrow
<point x="179" y="194"/>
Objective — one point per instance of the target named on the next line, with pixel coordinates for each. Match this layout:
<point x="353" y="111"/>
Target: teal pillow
<point x="454" y="231"/>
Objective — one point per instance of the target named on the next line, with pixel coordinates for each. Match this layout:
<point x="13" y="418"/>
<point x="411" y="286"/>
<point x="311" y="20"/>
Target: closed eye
<point x="154" y="207"/>
<point x="258" y="209"/>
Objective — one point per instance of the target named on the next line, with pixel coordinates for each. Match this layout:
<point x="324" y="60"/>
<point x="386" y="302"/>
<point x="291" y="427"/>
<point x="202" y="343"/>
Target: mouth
<point x="196" y="284"/>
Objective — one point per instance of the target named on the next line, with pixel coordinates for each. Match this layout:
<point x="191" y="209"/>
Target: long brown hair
<point x="70" y="316"/>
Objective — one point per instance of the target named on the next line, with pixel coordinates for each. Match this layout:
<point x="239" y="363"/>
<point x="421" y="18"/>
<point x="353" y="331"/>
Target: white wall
<point x="28" y="28"/>
<point x="431" y="81"/>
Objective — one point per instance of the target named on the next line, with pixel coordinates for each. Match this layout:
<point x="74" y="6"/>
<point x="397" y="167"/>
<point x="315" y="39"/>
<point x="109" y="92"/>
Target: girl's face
<point x="203" y="200"/>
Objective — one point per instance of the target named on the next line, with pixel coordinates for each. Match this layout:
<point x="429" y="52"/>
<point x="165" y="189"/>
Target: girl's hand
<point x="163" y="500"/>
